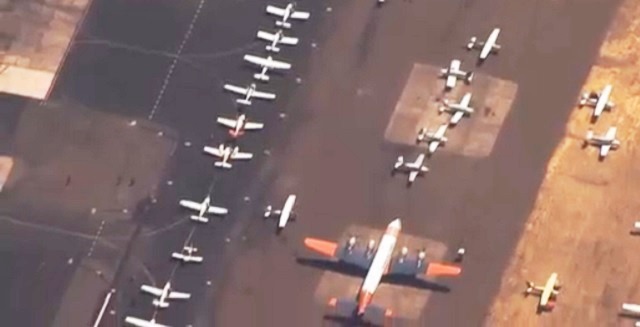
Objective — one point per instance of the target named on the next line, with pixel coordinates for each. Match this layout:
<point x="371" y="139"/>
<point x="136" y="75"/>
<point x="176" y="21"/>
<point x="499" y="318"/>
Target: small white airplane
<point x="632" y="308"/>
<point x="285" y="214"/>
<point x="598" y="100"/>
<point x="164" y="294"/>
<point x="266" y="64"/>
<point x="249" y="92"/>
<point x="239" y="125"/>
<point x="287" y="12"/>
<point x="433" y="138"/>
<point x="133" y="321"/>
<point x="487" y="47"/>
<point x="605" y="142"/>
<point x="453" y="73"/>
<point x="202" y="208"/>
<point x="226" y="153"/>
<point x="186" y="255"/>
<point x="547" y="294"/>
<point x="275" y="39"/>
<point x="458" y="110"/>
<point x="415" y="169"/>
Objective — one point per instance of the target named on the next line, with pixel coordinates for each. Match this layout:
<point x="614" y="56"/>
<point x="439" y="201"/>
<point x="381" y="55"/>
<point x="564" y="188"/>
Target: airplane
<point x="239" y="125"/>
<point x="375" y="264"/>
<point x="487" y="47"/>
<point x="133" y="321"/>
<point x="453" y="73"/>
<point x="458" y="110"/>
<point x="285" y="214"/>
<point x="227" y="153"/>
<point x="285" y="13"/>
<point x="249" y="92"/>
<point x="265" y="64"/>
<point x="275" y="39"/>
<point x="164" y="294"/>
<point x="547" y="294"/>
<point x="415" y="169"/>
<point x="202" y="208"/>
<point x="187" y="255"/>
<point x="598" y="100"/>
<point x="632" y="308"/>
<point x="605" y="142"/>
<point x="433" y="138"/>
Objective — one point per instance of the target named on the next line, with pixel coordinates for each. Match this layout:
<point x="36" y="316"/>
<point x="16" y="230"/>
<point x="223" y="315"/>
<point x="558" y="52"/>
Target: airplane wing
<point x="466" y="100"/>
<point x="263" y="95"/>
<point x="357" y="256"/>
<point x="276" y="11"/>
<point x="253" y="125"/>
<point x="217" y="210"/>
<point x="278" y="64"/>
<point x="191" y="205"/>
<point x="302" y="15"/>
<point x="441" y="130"/>
<point x="231" y="123"/>
<point x="413" y="175"/>
<point x="266" y="62"/>
<point x="604" y="150"/>
<point x="289" y="40"/>
<point x="213" y="151"/>
<point x="266" y="36"/>
<point x="455" y="118"/>
<point x="455" y="66"/>
<point x="611" y="133"/>
<point x="548" y="289"/>
<point x="179" y="295"/>
<point x="413" y="266"/>
<point x="151" y="290"/>
<point x="433" y="146"/>
<point x="241" y="156"/>
<point x="142" y="323"/>
<point x="236" y="89"/>
<point x="451" y="80"/>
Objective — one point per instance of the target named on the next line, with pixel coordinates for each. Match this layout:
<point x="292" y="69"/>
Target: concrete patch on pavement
<point x="475" y="135"/>
<point x="406" y="301"/>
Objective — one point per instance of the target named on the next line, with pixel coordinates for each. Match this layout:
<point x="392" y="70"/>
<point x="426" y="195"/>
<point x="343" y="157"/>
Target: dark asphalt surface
<point x="329" y="149"/>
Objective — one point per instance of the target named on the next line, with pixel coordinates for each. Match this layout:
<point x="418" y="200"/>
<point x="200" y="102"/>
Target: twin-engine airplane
<point x="202" y="208"/>
<point x="486" y="48"/>
<point x="414" y="169"/>
<point x="599" y="101"/>
<point x="226" y="153"/>
<point x="133" y="321"/>
<point x="186" y="256"/>
<point x="266" y="64"/>
<point x="433" y="138"/>
<point x="249" y="92"/>
<point x="275" y="39"/>
<point x="375" y="263"/>
<point x="547" y="294"/>
<point x="606" y="142"/>
<point x="239" y="125"/>
<point x="454" y="73"/>
<point x="287" y="12"/>
<point x="457" y="110"/>
<point x="283" y="215"/>
<point x="164" y="294"/>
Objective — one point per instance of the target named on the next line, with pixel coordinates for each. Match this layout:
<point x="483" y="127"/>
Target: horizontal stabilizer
<point x="222" y="164"/>
<point x="440" y="269"/>
<point x="244" y="102"/>
<point x="200" y="219"/>
<point x="321" y="246"/>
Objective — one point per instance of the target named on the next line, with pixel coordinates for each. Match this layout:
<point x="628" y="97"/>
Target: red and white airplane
<point x="239" y="125"/>
<point x="375" y="264"/>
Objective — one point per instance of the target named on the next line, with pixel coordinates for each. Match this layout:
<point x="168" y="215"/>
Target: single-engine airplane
<point x="249" y="92"/>
<point x="287" y="12"/>
<point x="599" y="101"/>
<point x="164" y="294"/>
<point x="454" y="73"/>
<point x="202" y="208"/>
<point x="265" y="64"/>
<point x="239" y="125"/>
<point x="275" y="39"/>
<point x="547" y="294"/>
<point x="486" y="48"/>
<point x="283" y="215"/>
<point x="226" y="153"/>
<point x="606" y="142"/>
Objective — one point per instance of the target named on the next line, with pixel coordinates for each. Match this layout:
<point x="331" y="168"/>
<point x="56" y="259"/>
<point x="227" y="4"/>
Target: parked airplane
<point x="164" y="294"/>
<point x="288" y="12"/>
<point x="249" y="92"/>
<point x="433" y="138"/>
<point x="187" y="256"/>
<point x="275" y="39"/>
<point x="458" y="110"/>
<point x="632" y="308"/>
<point x="142" y="323"/>
<point x="202" y="208"/>
<point x="547" y="294"/>
<point x="266" y="64"/>
<point x="285" y="214"/>
<point x="414" y="169"/>
<point x="598" y="100"/>
<point x="605" y="142"/>
<point x="226" y="153"/>
<point x="239" y="125"/>
<point x="374" y="264"/>
<point x="453" y="73"/>
<point x="487" y="47"/>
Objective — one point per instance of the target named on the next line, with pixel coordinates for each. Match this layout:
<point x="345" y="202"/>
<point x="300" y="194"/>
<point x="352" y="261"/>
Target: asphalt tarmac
<point x="131" y="59"/>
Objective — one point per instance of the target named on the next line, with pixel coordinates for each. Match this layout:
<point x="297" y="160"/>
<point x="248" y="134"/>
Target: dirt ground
<point x="581" y="221"/>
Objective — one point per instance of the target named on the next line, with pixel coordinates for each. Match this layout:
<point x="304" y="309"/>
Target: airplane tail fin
<point x="267" y="211"/>
<point x="399" y="162"/>
<point x="222" y="164"/>
<point x="422" y="133"/>
<point x="261" y="77"/>
<point x="530" y="288"/>
<point x="272" y="49"/>
<point x="472" y="43"/>
<point x="243" y="102"/>
<point x="200" y="219"/>
<point x="469" y="77"/>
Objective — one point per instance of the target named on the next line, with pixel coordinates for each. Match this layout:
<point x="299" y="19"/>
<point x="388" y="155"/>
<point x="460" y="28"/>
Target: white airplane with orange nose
<point x="375" y="264"/>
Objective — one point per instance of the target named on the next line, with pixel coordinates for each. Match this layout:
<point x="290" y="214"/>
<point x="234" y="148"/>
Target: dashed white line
<point x="175" y="60"/>
<point x="95" y="239"/>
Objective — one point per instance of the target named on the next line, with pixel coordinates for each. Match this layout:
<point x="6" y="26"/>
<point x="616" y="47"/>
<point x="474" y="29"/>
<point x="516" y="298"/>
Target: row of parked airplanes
<point x="226" y="154"/>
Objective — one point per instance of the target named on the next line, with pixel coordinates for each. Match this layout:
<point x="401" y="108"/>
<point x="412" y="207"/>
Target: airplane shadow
<point x="349" y="321"/>
<point x="628" y="315"/>
<point x="353" y="271"/>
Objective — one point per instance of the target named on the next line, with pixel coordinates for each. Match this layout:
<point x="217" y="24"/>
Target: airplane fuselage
<point x="205" y="206"/>
<point x="250" y="90"/>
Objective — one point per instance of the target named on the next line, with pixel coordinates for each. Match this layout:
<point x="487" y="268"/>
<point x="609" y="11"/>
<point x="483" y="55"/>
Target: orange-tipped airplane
<point x="377" y="263"/>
